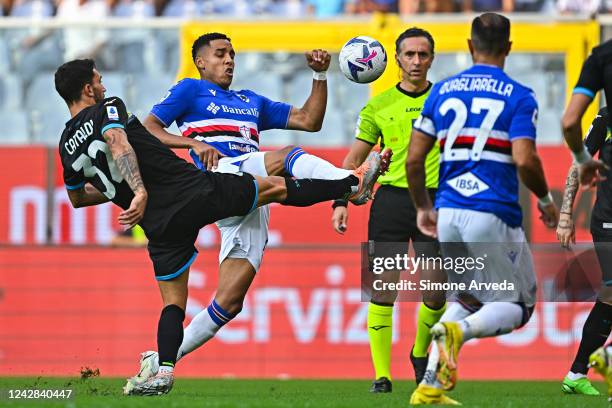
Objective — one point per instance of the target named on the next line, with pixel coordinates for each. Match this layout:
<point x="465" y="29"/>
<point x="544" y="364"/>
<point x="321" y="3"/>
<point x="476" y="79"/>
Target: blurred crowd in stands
<point x="71" y="9"/>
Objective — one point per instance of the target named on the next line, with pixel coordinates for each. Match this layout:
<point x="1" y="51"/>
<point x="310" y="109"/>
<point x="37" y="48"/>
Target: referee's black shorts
<point x="602" y="240"/>
<point x="219" y="196"/>
<point x="393" y="219"/>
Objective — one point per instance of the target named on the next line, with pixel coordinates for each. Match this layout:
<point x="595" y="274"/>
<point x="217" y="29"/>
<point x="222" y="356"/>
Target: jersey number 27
<point x="494" y="108"/>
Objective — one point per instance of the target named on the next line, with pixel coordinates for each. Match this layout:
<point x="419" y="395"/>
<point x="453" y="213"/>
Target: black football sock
<point x="594" y="334"/>
<point x="306" y="192"/>
<point x="170" y="334"/>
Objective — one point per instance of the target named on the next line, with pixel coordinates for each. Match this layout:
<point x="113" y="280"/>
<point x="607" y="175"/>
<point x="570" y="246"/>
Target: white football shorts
<point x="508" y="256"/>
<point x="244" y="237"/>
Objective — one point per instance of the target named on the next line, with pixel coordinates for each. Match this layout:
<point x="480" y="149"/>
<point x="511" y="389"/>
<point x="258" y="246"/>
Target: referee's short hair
<point x="414" y="32"/>
<point x="204" y="40"/>
<point x="491" y="34"/>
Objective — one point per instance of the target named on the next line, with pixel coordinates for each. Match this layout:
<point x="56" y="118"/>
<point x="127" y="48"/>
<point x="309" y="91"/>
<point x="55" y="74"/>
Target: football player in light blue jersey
<point x="486" y="125"/>
<point x="217" y="121"/>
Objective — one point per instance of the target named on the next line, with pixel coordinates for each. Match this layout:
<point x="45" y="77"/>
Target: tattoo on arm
<point x="128" y="167"/>
<point x="571" y="187"/>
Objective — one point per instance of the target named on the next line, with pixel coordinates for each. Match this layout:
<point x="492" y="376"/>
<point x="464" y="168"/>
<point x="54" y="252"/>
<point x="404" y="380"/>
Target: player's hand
<point x="340" y="219"/>
<point x="566" y="230"/>
<point x="130" y="217"/>
<point x="318" y="60"/>
<point x="590" y="173"/>
<point x="427" y="222"/>
<point x="549" y="214"/>
<point x="209" y="156"/>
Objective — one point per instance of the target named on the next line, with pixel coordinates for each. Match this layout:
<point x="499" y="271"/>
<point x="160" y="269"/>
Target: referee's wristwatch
<point x="340" y="203"/>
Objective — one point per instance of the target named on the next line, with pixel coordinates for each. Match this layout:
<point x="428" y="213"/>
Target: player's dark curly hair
<point x="414" y="32"/>
<point x="491" y="34"/>
<point x="71" y="77"/>
<point x="205" y="40"/>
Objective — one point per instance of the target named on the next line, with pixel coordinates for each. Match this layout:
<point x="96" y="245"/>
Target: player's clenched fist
<point x="318" y="60"/>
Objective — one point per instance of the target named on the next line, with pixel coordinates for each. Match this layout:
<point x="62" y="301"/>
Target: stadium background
<point x="69" y="300"/>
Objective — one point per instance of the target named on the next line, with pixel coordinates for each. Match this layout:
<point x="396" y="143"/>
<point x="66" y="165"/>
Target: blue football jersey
<point x="476" y="115"/>
<point x="230" y="121"/>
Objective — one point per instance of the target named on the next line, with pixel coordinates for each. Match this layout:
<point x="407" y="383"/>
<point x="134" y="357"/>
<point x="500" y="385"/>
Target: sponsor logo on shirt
<point x="212" y="92"/>
<point x="467" y="184"/>
<point x="242" y="148"/>
<point x="212" y="107"/>
<point x="112" y="112"/>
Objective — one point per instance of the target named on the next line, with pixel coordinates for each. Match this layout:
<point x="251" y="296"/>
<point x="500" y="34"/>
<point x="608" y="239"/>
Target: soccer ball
<point x="363" y="59"/>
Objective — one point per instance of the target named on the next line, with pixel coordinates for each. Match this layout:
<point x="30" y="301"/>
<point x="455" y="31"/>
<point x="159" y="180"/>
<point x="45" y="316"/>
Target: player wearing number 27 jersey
<point x="486" y="125"/>
<point x="476" y="115"/>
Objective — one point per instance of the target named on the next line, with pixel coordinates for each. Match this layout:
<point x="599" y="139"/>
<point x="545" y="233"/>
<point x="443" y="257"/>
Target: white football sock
<point x="166" y="369"/>
<point x="201" y="329"/>
<point x="493" y="319"/>
<point x="454" y="312"/>
<point x="309" y="166"/>
<point x="575" y="376"/>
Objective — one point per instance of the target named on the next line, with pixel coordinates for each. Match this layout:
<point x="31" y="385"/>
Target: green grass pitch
<point x="106" y="392"/>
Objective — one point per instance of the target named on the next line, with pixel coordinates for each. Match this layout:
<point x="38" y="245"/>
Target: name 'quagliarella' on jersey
<point x="477" y="84"/>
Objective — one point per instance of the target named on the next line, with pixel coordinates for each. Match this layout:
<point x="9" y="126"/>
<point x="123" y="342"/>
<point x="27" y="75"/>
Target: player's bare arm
<point x="572" y="132"/>
<point x="86" y="196"/>
<point x="356" y="155"/>
<point x="529" y="167"/>
<point x="207" y="154"/>
<point x="127" y="164"/>
<point x="566" y="231"/>
<point x="420" y="145"/>
<point x="310" y="116"/>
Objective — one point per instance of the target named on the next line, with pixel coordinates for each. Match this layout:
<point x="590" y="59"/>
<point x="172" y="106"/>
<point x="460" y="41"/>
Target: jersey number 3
<point x="494" y="108"/>
<point x="83" y="162"/>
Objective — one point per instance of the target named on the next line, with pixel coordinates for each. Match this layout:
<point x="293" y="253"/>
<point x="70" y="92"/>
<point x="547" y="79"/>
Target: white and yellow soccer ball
<point x="363" y="59"/>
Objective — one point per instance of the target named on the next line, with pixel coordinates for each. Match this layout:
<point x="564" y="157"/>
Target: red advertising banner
<point x="66" y="307"/>
<point x="23" y="195"/>
<point x="24" y="208"/>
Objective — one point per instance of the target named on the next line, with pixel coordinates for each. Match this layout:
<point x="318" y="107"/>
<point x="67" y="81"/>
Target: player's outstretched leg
<point x="601" y="362"/>
<point x="294" y="161"/>
<point x="306" y="192"/>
